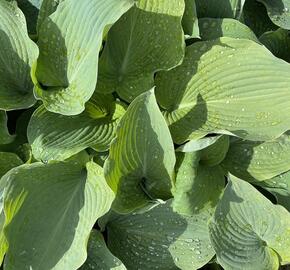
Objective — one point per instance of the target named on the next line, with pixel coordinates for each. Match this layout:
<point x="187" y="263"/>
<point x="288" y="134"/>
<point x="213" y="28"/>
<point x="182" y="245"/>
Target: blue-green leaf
<point x="70" y="40"/>
<point x="99" y="256"/>
<point x="252" y="161"/>
<point x="57" y="137"/>
<point x="160" y="238"/>
<point x="217" y="89"/>
<point x="249" y="232"/>
<point x="17" y="55"/>
<point x="50" y="210"/>
<point x="141" y="161"/>
<point x="192" y="180"/>
<point x="211" y="28"/>
<point x="146" y="39"/>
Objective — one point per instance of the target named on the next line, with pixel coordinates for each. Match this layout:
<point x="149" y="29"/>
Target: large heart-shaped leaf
<point x="146" y="39"/>
<point x="5" y="136"/>
<point x="252" y="161"/>
<point x="57" y="137"/>
<point x="160" y="239"/>
<point x="248" y="231"/>
<point x="219" y="9"/>
<point x="192" y="180"/>
<point x="218" y="87"/>
<point x="99" y="256"/>
<point x="50" y="211"/>
<point x="141" y="160"/>
<point x="18" y="53"/>
<point x="278" y="42"/>
<point x="279" y="12"/>
<point x="211" y="28"/>
<point x="189" y="20"/>
<point x="69" y="45"/>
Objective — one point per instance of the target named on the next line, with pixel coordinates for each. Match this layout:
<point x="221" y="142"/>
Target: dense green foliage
<point x="144" y="134"/>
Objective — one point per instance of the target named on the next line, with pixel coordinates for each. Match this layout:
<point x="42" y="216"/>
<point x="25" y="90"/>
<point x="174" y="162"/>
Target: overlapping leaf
<point x="69" y="42"/>
<point x="196" y="145"/>
<point x="255" y="16"/>
<point x="248" y="231"/>
<point x="192" y="180"/>
<point x="279" y="12"/>
<point x="99" y="256"/>
<point x="279" y="186"/>
<point x="160" y="238"/>
<point x="252" y="161"/>
<point x="278" y="42"/>
<point x="211" y="28"/>
<point x="5" y="136"/>
<point x="215" y="153"/>
<point x="72" y="198"/>
<point x="30" y="9"/>
<point x="47" y="8"/>
<point x="141" y="160"/>
<point x="18" y="53"/>
<point x="219" y="9"/>
<point x="57" y="137"/>
<point x="217" y="88"/>
<point x="3" y="242"/>
<point x="189" y="20"/>
<point x="146" y="39"/>
<point x="8" y="161"/>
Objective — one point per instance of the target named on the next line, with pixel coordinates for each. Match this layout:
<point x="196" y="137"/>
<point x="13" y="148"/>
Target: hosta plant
<point x="144" y="134"/>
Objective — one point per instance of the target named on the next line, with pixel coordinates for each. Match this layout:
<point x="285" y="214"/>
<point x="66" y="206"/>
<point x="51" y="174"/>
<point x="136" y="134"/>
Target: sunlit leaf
<point x="248" y="231"/>
<point x="69" y="42"/>
<point x="218" y="87"/>
<point x="72" y="198"/>
<point x="196" y="145"/>
<point x="141" y="161"/>
<point x="192" y="180"/>
<point x="146" y="39"/>
<point x="18" y="53"/>
<point x="252" y="161"/>
<point x="57" y="137"/>
<point x="160" y="238"/>
<point x="211" y="28"/>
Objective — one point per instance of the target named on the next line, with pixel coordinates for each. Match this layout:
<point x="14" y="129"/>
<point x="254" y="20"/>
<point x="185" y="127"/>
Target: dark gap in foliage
<point x="44" y="87"/>
<point x="12" y="119"/>
<point x="117" y="97"/>
<point x="267" y="194"/>
<point x="212" y="266"/>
